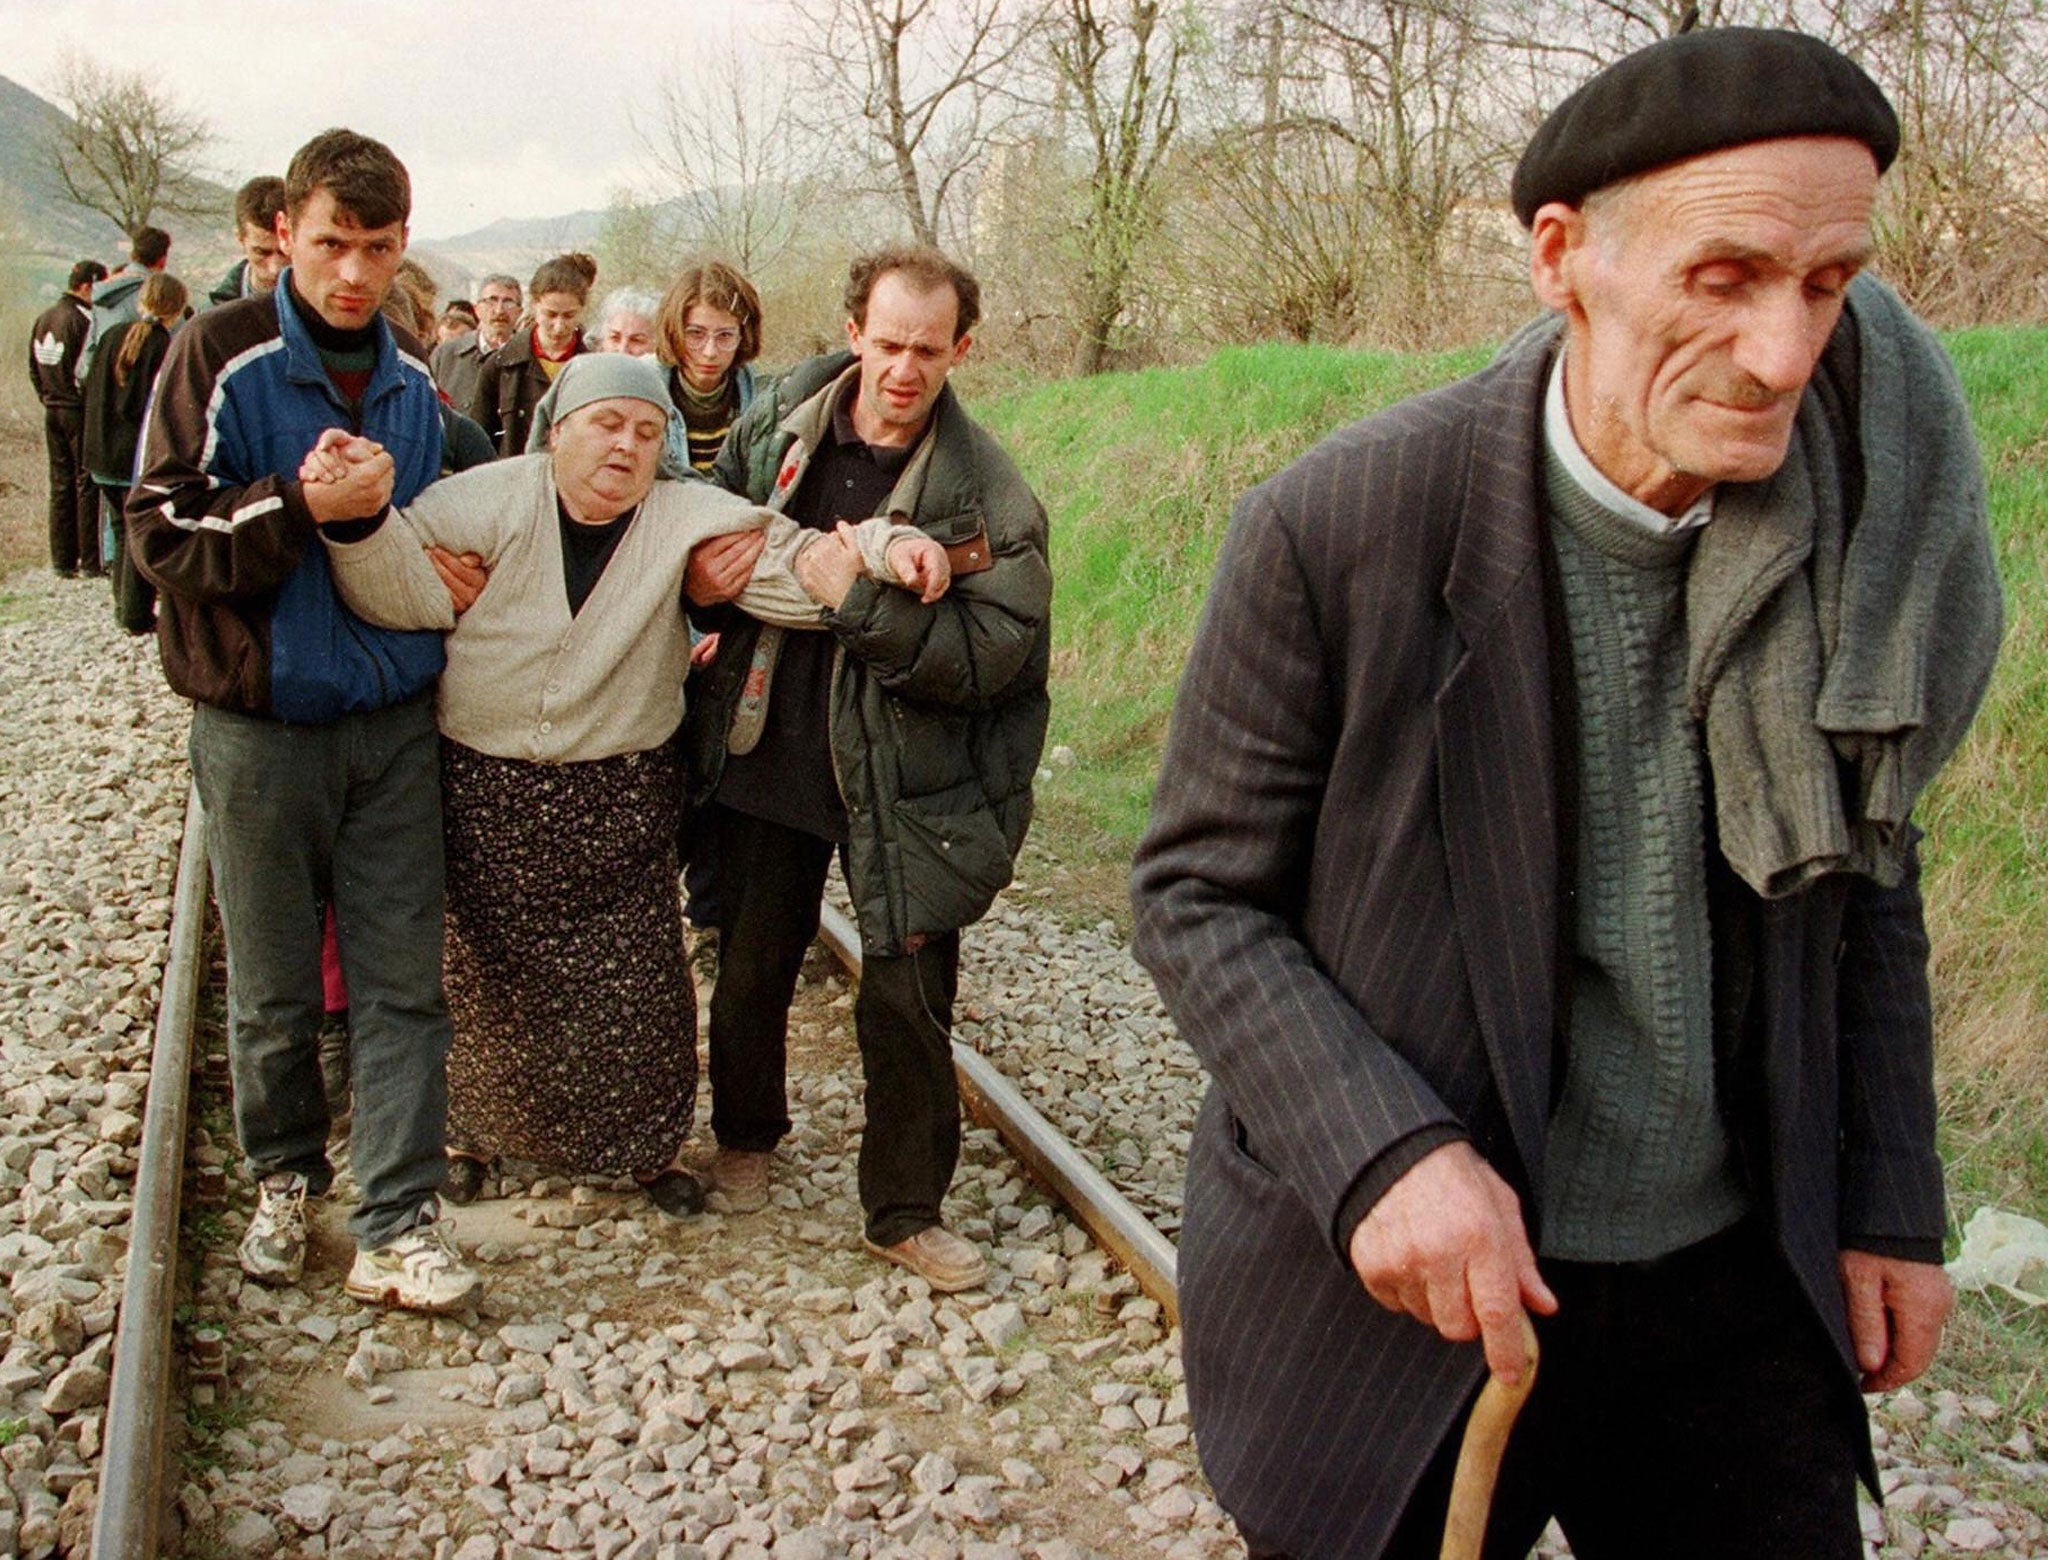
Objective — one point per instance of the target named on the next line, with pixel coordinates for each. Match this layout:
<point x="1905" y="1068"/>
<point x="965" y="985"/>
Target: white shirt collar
<point x="1564" y="444"/>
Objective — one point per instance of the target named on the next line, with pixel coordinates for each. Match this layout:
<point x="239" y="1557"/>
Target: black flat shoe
<point x="676" y="1193"/>
<point x="465" y="1179"/>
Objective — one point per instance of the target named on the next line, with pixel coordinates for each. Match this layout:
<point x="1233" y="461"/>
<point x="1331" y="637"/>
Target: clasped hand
<point x="346" y="477"/>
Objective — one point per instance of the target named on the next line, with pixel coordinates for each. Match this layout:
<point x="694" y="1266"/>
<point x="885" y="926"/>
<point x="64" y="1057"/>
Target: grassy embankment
<point x="1139" y="472"/>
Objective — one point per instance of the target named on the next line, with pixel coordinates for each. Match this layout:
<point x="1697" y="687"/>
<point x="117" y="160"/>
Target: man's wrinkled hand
<point x="463" y="573"/>
<point x="1447" y="1246"/>
<point x="1896" y="1313"/>
<point x="720" y="568"/>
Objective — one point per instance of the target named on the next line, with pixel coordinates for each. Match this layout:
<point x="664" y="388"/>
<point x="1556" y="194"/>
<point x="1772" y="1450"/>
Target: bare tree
<point x="127" y="150"/>
<point x="1118" y="69"/>
<point x="735" y="181"/>
<point x="1962" y="224"/>
<point x="1277" y="214"/>
<point x="924" y="85"/>
<point x="1351" y="189"/>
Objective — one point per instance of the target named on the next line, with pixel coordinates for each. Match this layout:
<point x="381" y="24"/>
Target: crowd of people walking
<point x="442" y="626"/>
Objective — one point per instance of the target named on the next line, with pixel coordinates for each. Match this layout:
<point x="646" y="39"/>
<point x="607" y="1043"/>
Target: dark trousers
<point x="771" y="878"/>
<point x="134" y="596"/>
<point x="74" y="511"/>
<point x="298" y="817"/>
<point x="1690" y="1408"/>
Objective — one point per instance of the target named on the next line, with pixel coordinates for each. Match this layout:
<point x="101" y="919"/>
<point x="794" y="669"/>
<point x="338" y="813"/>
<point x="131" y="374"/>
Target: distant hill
<point x="579" y="229"/>
<point x="513" y="245"/>
<point x="42" y="231"/>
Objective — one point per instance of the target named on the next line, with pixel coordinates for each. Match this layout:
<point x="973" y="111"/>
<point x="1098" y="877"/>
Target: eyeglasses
<point x="497" y="301"/>
<point x="724" y="340"/>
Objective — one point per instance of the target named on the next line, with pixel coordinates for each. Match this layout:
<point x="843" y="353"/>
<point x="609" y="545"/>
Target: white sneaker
<point x="274" y="1249"/>
<point x="419" y="1271"/>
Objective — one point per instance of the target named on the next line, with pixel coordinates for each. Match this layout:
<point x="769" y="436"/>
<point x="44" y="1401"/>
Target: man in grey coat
<point x="1532" y="866"/>
<point x="458" y="363"/>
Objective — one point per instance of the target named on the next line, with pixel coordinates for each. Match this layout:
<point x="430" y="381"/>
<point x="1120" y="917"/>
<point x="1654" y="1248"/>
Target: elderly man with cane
<point x="1532" y="866"/>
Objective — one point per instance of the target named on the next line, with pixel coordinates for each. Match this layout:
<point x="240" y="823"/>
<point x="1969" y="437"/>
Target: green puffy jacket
<point x="938" y="713"/>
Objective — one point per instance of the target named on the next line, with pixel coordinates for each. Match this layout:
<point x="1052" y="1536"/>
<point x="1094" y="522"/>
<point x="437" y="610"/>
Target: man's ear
<point x="1557" y="237"/>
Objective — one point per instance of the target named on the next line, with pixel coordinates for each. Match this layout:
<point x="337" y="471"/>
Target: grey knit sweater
<point x="1638" y="1163"/>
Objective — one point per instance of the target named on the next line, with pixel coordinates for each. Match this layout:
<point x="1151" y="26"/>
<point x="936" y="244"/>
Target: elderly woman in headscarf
<point x="575" y="1019"/>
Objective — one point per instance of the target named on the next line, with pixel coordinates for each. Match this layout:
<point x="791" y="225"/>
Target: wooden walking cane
<point x="1479" y="1455"/>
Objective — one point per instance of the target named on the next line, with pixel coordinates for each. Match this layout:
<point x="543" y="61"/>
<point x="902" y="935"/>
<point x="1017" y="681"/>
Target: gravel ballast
<point x="723" y="1388"/>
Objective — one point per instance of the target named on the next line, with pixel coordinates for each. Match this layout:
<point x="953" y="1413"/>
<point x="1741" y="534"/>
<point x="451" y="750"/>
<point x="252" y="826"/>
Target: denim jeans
<point x="348" y="813"/>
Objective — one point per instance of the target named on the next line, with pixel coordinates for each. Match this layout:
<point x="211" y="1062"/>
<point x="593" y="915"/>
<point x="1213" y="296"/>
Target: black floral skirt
<point x="575" y="1020"/>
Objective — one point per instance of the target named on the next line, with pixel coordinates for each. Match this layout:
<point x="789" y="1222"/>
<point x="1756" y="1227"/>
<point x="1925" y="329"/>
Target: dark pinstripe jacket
<point x="1350" y="896"/>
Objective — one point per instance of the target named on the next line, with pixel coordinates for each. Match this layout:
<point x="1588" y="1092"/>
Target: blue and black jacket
<point x="248" y="619"/>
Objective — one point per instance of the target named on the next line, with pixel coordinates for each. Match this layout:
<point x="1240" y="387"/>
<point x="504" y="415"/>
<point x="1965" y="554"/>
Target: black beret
<point x="1699" y="92"/>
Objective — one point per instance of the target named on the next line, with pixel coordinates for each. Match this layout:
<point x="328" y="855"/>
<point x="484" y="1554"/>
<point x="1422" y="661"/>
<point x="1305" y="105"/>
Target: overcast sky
<point x="511" y="109"/>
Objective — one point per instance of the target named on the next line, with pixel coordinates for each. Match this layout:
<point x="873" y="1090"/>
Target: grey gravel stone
<point x="631" y="1388"/>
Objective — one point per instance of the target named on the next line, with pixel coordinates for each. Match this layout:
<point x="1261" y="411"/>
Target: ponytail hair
<point x="161" y="300"/>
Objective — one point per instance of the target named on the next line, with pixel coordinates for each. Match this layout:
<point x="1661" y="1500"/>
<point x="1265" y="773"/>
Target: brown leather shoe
<point x="740" y="1176"/>
<point x="939" y="1257"/>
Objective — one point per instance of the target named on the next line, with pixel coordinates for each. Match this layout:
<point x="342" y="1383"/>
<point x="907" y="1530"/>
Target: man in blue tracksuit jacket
<point x="313" y="738"/>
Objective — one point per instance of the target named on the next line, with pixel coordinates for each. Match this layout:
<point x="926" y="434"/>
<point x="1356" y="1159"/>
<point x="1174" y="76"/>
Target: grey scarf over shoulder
<point x="1838" y="654"/>
<point x="1844" y="615"/>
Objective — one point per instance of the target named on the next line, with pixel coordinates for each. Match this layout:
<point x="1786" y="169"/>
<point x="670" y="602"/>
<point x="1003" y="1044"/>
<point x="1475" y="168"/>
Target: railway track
<point x="1066" y="1337"/>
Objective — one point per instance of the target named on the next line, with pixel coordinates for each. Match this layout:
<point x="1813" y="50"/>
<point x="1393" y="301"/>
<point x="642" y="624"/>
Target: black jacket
<point x="509" y="383"/>
<point x="1352" y="896"/>
<point x="54" y="342"/>
<point x="114" y="404"/>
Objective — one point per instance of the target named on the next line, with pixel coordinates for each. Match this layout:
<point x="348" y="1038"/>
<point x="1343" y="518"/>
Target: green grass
<point x="1138" y="472"/>
<point x="11" y="1430"/>
<point x="205" y="1424"/>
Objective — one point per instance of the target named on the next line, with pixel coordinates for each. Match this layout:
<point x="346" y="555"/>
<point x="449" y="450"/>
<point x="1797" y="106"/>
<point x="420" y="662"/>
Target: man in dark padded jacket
<point x="906" y="738"/>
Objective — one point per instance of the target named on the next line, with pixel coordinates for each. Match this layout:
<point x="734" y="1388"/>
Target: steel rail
<point x="993" y="1099"/>
<point x="131" y="1466"/>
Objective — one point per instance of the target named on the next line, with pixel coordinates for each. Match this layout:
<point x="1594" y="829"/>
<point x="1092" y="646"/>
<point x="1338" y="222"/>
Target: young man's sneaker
<point x="419" y="1271"/>
<point x="274" y="1250"/>
<point x="939" y="1257"/>
<point x="740" y="1176"/>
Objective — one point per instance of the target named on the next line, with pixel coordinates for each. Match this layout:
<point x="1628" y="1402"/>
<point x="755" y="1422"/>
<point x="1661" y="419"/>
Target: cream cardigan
<point x="527" y="680"/>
